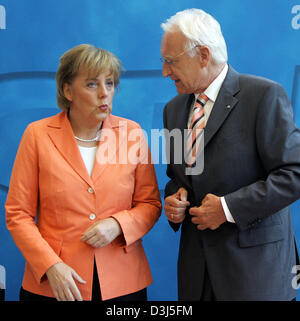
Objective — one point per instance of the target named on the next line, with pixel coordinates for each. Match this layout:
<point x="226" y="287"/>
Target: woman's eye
<point x="110" y="83"/>
<point x="92" y="84"/>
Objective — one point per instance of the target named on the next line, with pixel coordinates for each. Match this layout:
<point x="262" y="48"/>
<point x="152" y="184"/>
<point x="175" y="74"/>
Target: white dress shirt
<point x="212" y="93"/>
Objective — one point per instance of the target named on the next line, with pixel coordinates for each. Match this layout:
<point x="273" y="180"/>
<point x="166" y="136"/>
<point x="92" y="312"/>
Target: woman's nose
<point x="102" y="91"/>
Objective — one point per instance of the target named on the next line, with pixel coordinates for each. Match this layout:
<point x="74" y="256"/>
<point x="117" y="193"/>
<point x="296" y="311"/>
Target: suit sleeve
<point x="278" y="145"/>
<point x="22" y="207"/>
<point x="146" y="202"/>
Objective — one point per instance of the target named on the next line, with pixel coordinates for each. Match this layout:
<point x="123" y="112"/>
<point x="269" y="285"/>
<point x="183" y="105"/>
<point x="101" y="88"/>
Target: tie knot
<point x="202" y="99"/>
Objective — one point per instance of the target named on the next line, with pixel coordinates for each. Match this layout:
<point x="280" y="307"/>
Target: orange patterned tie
<point x="195" y="130"/>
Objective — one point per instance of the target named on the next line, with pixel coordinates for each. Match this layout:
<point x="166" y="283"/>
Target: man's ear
<point x="68" y="91"/>
<point x="204" y="54"/>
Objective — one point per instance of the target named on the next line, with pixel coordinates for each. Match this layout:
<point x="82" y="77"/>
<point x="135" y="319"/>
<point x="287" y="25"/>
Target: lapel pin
<point x="228" y="106"/>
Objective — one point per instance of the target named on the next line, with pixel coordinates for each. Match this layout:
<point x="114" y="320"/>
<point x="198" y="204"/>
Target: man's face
<point x="185" y="71"/>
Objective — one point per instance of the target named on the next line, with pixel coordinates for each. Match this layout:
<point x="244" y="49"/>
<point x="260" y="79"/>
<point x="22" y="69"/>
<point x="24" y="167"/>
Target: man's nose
<point x="166" y="70"/>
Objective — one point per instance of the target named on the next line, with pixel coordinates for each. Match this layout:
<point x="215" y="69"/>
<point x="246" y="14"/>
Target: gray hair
<point x="200" y="29"/>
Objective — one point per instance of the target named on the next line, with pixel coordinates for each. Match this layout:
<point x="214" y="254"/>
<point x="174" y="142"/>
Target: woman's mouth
<point x="103" y="107"/>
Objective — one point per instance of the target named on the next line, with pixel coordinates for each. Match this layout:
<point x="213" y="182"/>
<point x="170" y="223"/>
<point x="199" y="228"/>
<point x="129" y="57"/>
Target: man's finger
<point x="173" y="201"/>
<point x="175" y="210"/>
<point x="176" y="218"/>
<point x="196" y="211"/>
<point x="183" y="194"/>
<point x="201" y="227"/>
<point x="208" y="197"/>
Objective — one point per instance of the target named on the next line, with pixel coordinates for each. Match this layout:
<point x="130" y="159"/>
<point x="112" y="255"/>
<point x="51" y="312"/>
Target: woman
<point x="91" y="209"/>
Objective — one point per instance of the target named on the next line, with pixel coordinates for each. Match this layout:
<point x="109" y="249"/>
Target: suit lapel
<point x="182" y="116"/>
<point x="223" y="106"/>
<point x="62" y="136"/>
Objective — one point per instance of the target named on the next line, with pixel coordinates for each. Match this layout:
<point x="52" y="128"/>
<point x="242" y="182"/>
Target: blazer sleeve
<point x="146" y="202"/>
<point x="278" y="146"/>
<point x="22" y="208"/>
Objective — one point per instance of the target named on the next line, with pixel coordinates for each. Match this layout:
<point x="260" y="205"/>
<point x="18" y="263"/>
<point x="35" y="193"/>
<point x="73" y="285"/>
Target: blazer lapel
<point x="62" y="136"/>
<point x="223" y="106"/>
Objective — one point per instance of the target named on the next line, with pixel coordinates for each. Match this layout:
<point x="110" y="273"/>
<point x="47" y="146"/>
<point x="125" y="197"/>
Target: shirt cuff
<point x="226" y="211"/>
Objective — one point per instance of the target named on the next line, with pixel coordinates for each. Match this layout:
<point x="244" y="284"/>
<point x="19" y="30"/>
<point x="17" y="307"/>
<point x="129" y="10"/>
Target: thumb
<point x="183" y="194"/>
<point x="78" y="277"/>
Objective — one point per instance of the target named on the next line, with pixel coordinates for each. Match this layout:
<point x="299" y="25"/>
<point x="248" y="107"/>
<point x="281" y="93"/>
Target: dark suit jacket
<point x="252" y="158"/>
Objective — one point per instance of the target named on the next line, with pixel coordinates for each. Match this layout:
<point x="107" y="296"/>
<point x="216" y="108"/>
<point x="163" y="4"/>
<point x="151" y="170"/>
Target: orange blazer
<point x="52" y="200"/>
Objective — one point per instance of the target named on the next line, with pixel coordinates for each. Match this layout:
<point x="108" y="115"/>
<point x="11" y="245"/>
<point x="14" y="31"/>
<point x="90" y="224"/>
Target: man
<point x="237" y="241"/>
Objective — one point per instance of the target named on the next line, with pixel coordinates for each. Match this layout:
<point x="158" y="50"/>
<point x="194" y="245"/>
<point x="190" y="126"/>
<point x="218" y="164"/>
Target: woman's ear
<point x="68" y="91"/>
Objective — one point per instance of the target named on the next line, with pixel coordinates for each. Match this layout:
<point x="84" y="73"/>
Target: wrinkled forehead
<point x="172" y="43"/>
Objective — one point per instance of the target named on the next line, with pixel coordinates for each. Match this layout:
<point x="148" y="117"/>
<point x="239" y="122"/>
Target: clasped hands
<point x="209" y="215"/>
<point x="62" y="277"/>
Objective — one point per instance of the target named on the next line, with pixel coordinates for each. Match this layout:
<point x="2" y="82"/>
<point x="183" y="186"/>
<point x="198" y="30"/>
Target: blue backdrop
<point x="263" y="38"/>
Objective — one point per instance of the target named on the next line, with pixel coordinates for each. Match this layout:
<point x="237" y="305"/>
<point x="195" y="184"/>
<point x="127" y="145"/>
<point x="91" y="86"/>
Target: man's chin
<point x="182" y="91"/>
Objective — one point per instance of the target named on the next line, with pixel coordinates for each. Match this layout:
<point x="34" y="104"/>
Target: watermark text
<point x="2" y="17"/>
<point x="124" y="146"/>
<point x="296" y="18"/>
<point x="2" y="277"/>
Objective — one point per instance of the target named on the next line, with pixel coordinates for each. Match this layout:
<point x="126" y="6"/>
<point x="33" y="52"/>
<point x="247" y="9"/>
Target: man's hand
<point x="175" y="206"/>
<point x="61" y="278"/>
<point x="210" y="214"/>
<point x="102" y="232"/>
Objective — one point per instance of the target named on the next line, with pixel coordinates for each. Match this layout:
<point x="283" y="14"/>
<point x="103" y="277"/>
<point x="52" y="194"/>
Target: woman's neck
<point x="86" y="135"/>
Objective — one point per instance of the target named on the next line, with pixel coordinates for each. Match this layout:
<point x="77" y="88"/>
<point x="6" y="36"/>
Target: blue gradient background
<point x="260" y="41"/>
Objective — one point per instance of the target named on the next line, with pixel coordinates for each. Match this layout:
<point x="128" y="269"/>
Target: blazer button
<point x="92" y="216"/>
<point x="90" y="190"/>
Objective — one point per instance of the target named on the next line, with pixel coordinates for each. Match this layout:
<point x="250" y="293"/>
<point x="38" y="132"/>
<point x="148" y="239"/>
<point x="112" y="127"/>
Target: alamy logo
<point x="2" y="17"/>
<point x="296" y="278"/>
<point x="2" y="277"/>
<point x="296" y="19"/>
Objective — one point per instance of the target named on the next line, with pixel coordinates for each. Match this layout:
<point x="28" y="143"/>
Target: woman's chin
<point x="103" y="115"/>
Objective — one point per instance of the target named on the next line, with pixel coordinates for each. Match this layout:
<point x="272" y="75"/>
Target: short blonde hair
<point x="86" y="58"/>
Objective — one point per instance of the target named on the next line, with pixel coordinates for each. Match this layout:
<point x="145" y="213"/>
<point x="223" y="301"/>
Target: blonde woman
<point x="77" y="218"/>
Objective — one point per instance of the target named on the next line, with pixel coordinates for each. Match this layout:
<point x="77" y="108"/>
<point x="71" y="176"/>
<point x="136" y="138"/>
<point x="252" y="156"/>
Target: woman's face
<point x="91" y="98"/>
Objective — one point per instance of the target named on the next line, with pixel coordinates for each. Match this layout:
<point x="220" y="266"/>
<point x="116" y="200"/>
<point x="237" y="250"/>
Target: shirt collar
<point x="213" y="89"/>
